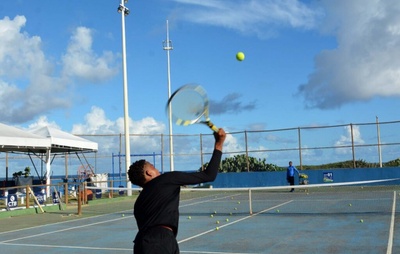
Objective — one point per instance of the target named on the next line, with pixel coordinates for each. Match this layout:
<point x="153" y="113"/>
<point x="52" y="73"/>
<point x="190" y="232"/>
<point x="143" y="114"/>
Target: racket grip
<point x="212" y="126"/>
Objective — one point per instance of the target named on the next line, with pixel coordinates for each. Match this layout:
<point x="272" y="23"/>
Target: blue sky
<point x="308" y="63"/>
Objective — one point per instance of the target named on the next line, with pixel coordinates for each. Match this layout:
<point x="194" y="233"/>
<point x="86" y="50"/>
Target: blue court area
<point x="315" y="220"/>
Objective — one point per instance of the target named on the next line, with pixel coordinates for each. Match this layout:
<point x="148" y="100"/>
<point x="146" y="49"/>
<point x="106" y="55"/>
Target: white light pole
<point x="167" y="45"/>
<point x="379" y="142"/>
<point x="125" y="12"/>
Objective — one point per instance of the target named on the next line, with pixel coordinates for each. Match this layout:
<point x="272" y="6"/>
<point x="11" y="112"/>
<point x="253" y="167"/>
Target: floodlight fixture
<point x="120" y="8"/>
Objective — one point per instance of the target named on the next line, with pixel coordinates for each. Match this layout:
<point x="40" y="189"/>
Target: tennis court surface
<point x="342" y="219"/>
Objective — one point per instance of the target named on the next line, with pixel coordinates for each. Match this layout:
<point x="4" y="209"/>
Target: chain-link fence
<point x="371" y="142"/>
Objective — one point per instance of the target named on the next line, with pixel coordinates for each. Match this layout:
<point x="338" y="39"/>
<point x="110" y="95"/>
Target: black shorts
<point x="290" y="179"/>
<point x="156" y="240"/>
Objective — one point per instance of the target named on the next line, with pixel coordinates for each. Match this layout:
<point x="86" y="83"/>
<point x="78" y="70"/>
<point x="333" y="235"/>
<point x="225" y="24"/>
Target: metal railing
<point x="317" y="145"/>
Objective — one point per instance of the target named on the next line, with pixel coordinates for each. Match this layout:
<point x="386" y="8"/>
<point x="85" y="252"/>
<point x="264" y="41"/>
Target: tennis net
<point x="375" y="196"/>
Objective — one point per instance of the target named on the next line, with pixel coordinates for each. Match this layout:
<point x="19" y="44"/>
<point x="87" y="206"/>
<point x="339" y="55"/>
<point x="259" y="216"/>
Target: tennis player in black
<point x="157" y="208"/>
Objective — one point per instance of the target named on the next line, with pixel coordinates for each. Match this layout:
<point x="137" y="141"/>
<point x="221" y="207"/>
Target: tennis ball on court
<point x="349" y="204"/>
<point x="217" y="228"/>
<point x="190" y="217"/>
<point x="240" y="56"/>
<point x="361" y="220"/>
<point x="215" y="212"/>
<point x="227" y="220"/>
<point x="277" y="210"/>
<point x="238" y="202"/>
<point x="230" y="213"/>
<point x="217" y="222"/>
<point x="211" y="215"/>
<point x="235" y="208"/>
<point x="123" y="215"/>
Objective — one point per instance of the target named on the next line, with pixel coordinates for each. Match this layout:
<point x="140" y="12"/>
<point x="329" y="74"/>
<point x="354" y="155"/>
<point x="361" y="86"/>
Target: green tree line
<point x="240" y="163"/>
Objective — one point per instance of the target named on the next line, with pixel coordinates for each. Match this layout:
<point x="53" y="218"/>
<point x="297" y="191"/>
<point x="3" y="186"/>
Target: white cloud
<point x="42" y="122"/>
<point x="366" y="62"/>
<point x="260" y="17"/>
<point x="231" y="144"/>
<point x="96" y="122"/>
<point x="346" y="140"/>
<point x="18" y="50"/>
<point x="82" y="62"/>
<point x="29" y="84"/>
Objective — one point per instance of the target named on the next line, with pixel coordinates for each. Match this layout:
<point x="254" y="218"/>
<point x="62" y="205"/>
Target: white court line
<point x="206" y="201"/>
<point x="75" y="227"/>
<point x="215" y="252"/>
<point x="233" y="222"/>
<point x="57" y="223"/>
<point x="284" y="187"/>
<point x="110" y="249"/>
<point x="9" y="242"/>
<point x="62" y="230"/>
<point x="391" y="229"/>
<point x="66" y="247"/>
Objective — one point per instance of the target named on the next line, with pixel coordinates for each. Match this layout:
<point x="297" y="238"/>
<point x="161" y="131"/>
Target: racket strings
<point x="188" y="106"/>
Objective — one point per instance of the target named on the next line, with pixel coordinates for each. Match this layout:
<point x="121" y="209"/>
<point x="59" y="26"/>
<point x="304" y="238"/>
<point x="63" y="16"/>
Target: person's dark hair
<point x="136" y="173"/>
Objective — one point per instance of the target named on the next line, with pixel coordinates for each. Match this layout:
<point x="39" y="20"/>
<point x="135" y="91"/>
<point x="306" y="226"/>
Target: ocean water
<point x="117" y="180"/>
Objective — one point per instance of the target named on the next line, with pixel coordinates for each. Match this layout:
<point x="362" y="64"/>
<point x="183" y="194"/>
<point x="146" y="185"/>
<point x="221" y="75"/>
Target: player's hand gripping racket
<point x="189" y="105"/>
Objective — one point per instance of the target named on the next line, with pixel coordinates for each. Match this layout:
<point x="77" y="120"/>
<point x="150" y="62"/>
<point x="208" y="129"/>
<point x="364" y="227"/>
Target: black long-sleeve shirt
<point x="158" y="202"/>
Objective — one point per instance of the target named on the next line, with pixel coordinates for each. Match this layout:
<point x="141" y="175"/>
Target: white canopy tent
<point x="44" y="140"/>
<point x="16" y="140"/>
<point x="61" y="143"/>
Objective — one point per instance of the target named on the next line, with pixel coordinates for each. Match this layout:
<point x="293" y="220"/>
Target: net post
<point x="79" y="201"/>
<point x="27" y="197"/>
<point x="250" y="203"/>
<point x="110" y="193"/>
<point x="85" y="201"/>
<point x="66" y="194"/>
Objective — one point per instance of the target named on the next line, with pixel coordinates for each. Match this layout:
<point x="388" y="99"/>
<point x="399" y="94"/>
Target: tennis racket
<point x="189" y="105"/>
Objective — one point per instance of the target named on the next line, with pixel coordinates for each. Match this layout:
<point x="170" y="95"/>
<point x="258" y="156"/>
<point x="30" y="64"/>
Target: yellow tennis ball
<point x="189" y="217"/>
<point x="123" y="215"/>
<point x="227" y="220"/>
<point x="217" y="222"/>
<point x="361" y="220"/>
<point x="217" y="228"/>
<point x="212" y="215"/>
<point x="240" y="56"/>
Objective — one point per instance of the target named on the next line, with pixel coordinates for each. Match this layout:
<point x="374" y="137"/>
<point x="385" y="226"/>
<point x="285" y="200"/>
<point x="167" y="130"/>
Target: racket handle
<point x="212" y="126"/>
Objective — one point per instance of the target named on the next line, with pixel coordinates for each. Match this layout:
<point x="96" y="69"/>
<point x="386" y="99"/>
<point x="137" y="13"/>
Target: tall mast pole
<point x="125" y="12"/>
<point x="167" y="45"/>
